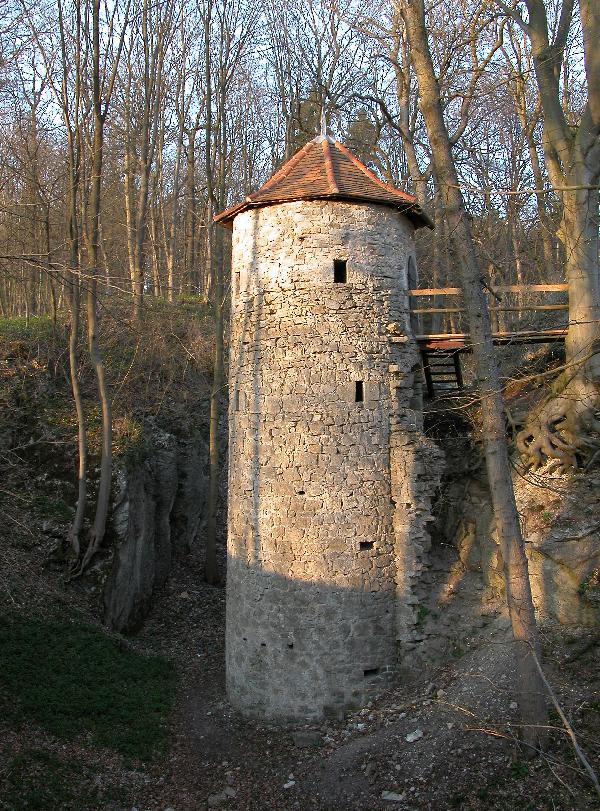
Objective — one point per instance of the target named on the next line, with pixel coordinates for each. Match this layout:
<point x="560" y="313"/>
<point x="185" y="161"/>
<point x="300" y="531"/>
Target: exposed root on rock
<point x="566" y="429"/>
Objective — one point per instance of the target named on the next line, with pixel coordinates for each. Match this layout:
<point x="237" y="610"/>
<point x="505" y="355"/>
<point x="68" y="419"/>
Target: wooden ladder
<point x="442" y="367"/>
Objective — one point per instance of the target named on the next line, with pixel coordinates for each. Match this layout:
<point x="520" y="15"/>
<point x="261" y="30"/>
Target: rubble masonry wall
<point x="328" y="497"/>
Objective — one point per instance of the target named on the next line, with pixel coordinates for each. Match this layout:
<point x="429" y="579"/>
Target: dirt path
<point x="442" y="741"/>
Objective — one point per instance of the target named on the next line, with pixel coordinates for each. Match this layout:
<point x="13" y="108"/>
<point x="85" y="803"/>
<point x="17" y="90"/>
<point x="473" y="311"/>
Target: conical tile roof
<point x="326" y="170"/>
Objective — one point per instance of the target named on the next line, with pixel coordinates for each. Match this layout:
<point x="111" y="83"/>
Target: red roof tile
<point x="326" y="170"/>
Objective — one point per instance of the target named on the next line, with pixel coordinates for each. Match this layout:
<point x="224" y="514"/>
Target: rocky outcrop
<point x="190" y="498"/>
<point x="561" y="527"/>
<point x="156" y="514"/>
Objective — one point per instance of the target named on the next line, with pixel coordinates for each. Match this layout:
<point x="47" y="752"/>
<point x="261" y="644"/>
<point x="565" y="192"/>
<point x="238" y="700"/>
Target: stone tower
<point x="328" y="491"/>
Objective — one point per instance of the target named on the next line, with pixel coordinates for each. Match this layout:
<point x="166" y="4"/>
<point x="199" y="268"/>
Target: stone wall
<point x="328" y="496"/>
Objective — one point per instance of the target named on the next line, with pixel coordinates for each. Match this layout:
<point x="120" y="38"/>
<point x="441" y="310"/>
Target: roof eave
<point x="413" y="211"/>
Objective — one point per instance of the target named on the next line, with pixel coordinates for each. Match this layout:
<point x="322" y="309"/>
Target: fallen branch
<point x="570" y="731"/>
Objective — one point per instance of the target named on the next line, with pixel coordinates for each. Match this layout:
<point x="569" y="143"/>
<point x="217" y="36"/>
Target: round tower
<point x="321" y="362"/>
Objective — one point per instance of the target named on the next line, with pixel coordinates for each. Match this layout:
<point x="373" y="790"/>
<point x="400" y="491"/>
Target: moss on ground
<point x="39" y="327"/>
<point x="37" y="780"/>
<point x="70" y="679"/>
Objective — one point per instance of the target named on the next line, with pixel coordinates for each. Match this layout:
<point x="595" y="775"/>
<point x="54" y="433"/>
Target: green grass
<point x="22" y="328"/>
<point x="71" y="679"/>
<point x="519" y="769"/>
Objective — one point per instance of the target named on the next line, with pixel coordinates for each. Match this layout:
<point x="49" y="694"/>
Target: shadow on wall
<point x="305" y="649"/>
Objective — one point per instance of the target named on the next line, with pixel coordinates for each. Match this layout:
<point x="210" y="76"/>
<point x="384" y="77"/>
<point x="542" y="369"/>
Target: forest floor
<point x="465" y="758"/>
<point x="442" y="740"/>
<point x="90" y="720"/>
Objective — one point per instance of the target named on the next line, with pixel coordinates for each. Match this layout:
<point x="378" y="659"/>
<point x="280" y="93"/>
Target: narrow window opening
<point x="300" y="492"/>
<point x="340" y="271"/>
<point x="363" y="545"/>
<point x="372" y="671"/>
<point x="263" y="644"/>
<point x="359" y="396"/>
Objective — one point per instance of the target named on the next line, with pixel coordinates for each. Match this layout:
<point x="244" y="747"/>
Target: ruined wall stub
<point x="328" y="488"/>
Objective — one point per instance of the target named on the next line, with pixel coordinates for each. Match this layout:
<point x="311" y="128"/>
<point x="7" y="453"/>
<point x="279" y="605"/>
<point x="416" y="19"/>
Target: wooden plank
<point x="436" y="291"/>
<point x="502" y="288"/>
<point x="438" y="310"/>
<point x="524" y="308"/>
<point x="462" y="342"/>
<point x="529" y="307"/>
<point x="531" y="288"/>
<point x="463" y="336"/>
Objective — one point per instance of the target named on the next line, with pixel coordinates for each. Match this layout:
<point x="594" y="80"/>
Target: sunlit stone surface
<point x="330" y="478"/>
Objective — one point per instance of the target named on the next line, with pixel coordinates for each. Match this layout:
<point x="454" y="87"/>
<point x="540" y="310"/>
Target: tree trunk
<point x="579" y="234"/>
<point x="566" y="427"/>
<point x="518" y="591"/>
<point x="129" y="184"/>
<point x="92" y="232"/>
<point x="103" y="500"/>
<point x="190" y="216"/>
<point x="75" y="305"/>
<point x="139" y="264"/>
<point x="216" y="261"/>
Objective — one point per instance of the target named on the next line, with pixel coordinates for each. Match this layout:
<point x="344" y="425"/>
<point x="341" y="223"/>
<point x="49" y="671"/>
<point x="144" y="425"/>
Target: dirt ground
<point x="441" y="740"/>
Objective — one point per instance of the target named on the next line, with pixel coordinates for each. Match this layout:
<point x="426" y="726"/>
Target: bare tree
<point x="228" y="32"/>
<point x="149" y="40"/>
<point x="518" y="590"/>
<point x="104" y="65"/>
<point x="566" y="426"/>
<point x="74" y="119"/>
<point x="527" y="107"/>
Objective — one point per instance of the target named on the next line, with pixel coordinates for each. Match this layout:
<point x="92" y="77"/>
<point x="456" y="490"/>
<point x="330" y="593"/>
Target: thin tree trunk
<point x="210" y="568"/>
<point x="216" y="256"/>
<point x="77" y="525"/>
<point x="155" y="253"/>
<point x="129" y="183"/>
<point x="72" y="120"/>
<point x="103" y="500"/>
<point x="75" y="306"/>
<point x="93" y="249"/>
<point x="190" y="216"/>
<point x="518" y="591"/>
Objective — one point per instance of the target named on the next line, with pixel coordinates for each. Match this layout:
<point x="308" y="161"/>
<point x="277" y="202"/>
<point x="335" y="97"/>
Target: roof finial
<point x="323" y="122"/>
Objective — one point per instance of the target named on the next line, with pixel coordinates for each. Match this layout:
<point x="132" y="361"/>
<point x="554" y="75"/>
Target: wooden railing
<point x="508" y="318"/>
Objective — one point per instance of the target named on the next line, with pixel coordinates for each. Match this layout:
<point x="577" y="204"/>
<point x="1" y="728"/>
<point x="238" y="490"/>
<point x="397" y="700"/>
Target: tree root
<point x="566" y="430"/>
<point x="82" y="562"/>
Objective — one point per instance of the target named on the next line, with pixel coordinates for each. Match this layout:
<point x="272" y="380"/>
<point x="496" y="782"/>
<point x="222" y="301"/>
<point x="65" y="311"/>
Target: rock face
<point x="156" y="513"/>
<point x="561" y="528"/>
<point x="330" y="476"/>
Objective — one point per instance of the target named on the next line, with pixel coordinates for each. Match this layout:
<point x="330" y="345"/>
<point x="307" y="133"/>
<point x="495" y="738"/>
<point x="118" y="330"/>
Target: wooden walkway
<point x="441" y="351"/>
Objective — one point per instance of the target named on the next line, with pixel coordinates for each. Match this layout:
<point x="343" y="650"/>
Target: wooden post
<point x="458" y="370"/>
<point x="428" y="376"/>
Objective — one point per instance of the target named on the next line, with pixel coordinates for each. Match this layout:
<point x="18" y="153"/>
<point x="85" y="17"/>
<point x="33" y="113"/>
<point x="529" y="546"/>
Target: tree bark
<point x="566" y="427"/>
<point x="518" y="590"/>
